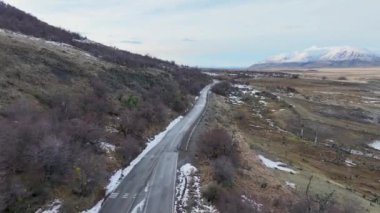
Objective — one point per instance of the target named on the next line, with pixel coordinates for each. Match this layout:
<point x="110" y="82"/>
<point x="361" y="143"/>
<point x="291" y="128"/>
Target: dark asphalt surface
<point x="150" y="186"/>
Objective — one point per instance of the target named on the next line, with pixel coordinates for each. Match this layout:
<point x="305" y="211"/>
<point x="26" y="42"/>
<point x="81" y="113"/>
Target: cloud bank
<point x="215" y="33"/>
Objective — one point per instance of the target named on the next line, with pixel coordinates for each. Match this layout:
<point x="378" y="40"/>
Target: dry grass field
<point x="320" y="127"/>
<point x="353" y="74"/>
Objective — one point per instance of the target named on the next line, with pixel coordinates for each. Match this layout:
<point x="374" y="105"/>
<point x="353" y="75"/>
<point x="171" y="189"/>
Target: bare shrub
<point x="132" y="124"/>
<point x="211" y="192"/>
<point x="224" y="170"/>
<point x="44" y="147"/>
<point x="226" y="200"/>
<point x="82" y="132"/>
<point x="316" y="203"/>
<point x="231" y="201"/>
<point x="100" y="89"/>
<point x="223" y="88"/>
<point x="20" y="110"/>
<point x="295" y="76"/>
<point x="219" y="147"/>
<point x="242" y="116"/>
<point x="129" y="148"/>
<point x="54" y="158"/>
<point x="342" y="78"/>
<point x="90" y="173"/>
<point x="216" y="143"/>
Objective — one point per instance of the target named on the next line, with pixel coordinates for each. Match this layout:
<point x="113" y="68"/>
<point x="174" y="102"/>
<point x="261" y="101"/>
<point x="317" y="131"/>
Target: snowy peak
<point x="323" y="57"/>
<point x="324" y="54"/>
<point x="348" y="54"/>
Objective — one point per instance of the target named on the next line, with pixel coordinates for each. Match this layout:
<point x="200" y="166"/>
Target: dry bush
<point x="129" y="148"/>
<point x="243" y="117"/>
<point x="342" y="78"/>
<point x="211" y="192"/>
<point x="226" y="200"/>
<point x="320" y="203"/>
<point x="40" y="149"/>
<point x="224" y="171"/>
<point x="223" y="88"/>
<point x="216" y="143"/>
<point x="218" y="146"/>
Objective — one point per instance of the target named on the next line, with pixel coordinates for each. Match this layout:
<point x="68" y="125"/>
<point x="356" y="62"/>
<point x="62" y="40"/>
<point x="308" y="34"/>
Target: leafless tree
<point x="224" y="170"/>
<point x="216" y="143"/>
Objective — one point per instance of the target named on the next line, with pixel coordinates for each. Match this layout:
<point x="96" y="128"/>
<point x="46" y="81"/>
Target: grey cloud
<point x="188" y="40"/>
<point x="131" y="42"/>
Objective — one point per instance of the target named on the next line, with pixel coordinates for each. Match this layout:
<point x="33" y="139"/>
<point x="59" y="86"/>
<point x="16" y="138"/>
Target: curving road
<point x="150" y="186"/>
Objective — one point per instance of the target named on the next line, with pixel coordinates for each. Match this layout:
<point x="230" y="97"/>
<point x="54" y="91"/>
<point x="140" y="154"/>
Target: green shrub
<point x="132" y="101"/>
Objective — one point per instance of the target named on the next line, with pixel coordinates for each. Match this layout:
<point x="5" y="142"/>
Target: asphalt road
<point x="150" y="186"/>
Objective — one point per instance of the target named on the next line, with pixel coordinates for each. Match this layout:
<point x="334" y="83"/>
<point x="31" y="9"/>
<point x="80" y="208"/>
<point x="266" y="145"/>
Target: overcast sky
<point x="215" y="33"/>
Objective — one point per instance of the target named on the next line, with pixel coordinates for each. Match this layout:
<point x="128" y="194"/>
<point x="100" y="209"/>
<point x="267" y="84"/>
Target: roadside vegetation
<point x="217" y="147"/>
<point x="223" y="88"/>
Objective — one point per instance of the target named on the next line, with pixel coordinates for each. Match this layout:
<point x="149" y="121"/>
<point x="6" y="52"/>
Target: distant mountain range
<point x="321" y="57"/>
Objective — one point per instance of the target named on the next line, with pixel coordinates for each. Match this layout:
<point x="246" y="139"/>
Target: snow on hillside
<point x="375" y="145"/>
<point x="347" y="54"/>
<point x="69" y="49"/>
<point x="314" y="54"/>
<point x="53" y="207"/>
<point x="276" y="165"/>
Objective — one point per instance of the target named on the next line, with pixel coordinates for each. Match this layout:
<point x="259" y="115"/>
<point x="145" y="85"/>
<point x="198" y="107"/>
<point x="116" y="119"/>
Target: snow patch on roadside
<point x="245" y="89"/>
<point x="119" y="175"/>
<point x="236" y="96"/>
<point x="375" y="145"/>
<point x="235" y="100"/>
<point x="110" y="129"/>
<point x="211" y="73"/>
<point x="188" y="190"/>
<point x="276" y="165"/>
<point x="242" y="86"/>
<point x="349" y="163"/>
<point x="270" y="122"/>
<point x="107" y="147"/>
<point x="96" y="208"/>
<point x="53" y="207"/>
<point x="139" y="207"/>
<point x="263" y="102"/>
<point x="361" y="153"/>
<point x="290" y="184"/>
<point x="252" y="203"/>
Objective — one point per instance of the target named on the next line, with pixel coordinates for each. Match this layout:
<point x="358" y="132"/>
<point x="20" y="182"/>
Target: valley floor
<point x="299" y="138"/>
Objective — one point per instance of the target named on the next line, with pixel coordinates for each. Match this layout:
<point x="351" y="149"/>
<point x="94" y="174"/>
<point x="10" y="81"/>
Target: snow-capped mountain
<point x="321" y="57"/>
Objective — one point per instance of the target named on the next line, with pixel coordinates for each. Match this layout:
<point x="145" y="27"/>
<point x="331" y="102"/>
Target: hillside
<point x="70" y="114"/>
<point x="321" y="57"/>
<point x="16" y="20"/>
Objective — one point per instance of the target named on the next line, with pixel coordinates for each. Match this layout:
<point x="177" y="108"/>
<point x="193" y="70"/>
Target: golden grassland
<point x="352" y="74"/>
